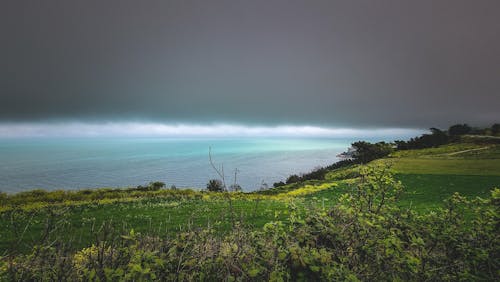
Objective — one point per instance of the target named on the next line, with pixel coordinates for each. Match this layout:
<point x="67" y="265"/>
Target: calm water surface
<point x="50" y="164"/>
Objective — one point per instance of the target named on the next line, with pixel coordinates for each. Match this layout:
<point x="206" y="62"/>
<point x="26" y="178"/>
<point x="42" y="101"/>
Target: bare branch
<point x="219" y="172"/>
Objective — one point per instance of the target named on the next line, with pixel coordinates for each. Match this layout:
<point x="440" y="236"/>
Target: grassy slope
<point x="446" y="166"/>
<point x="458" y="159"/>
<point x="432" y="175"/>
<point x="149" y="215"/>
<point x="429" y="175"/>
<point x="424" y="191"/>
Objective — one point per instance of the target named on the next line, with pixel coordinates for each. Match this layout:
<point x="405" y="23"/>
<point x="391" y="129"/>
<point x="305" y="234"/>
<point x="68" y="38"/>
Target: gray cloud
<point x="334" y="63"/>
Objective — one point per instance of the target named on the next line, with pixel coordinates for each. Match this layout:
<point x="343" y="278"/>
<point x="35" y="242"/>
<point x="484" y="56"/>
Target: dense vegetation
<point x="453" y="134"/>
<point x="364" y="236"/>
<point x="364" y="152"/>
<point x="397" y="218"/>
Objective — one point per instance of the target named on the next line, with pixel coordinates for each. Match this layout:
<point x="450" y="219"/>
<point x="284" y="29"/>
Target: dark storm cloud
<point x="354" y="63"/>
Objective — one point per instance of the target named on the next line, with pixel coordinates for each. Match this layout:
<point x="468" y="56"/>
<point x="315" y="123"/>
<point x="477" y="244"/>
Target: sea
<point x="81" y="163"/>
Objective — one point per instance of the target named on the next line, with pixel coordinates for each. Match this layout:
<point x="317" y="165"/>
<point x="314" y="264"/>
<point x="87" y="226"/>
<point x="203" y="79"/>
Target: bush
<point x="157" y="185"/>
<point x="435" y="139"/>
<point x="459" y="129"/>
<point x="294" y="178"/>
<point x="215" y="185"/>
<point x="278" y="184"/>
<point x="152" y="186"/>
<point x="366" y="151"/>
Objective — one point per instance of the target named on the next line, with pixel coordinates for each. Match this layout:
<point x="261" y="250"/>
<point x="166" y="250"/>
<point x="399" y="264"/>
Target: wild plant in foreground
<point x="366" y="236"/>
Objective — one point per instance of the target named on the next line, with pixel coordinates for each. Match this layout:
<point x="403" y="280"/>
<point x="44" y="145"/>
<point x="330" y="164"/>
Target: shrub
<point x="435" y="139"/>
<point x="215" y="185"/>
<point x="366" y="151"/>
<point x="294" y="178"/>
<point x="278" y="184"/>
<point x="459" y="129"/>
<point x="157" y="185"/>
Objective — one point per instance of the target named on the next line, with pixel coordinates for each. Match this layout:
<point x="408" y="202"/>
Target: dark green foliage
<point x="152" y="186"/>
<point x="215" y="185"/>
<point x="157" y="185"/>
<point x="459" y="129"/>
<point x="366" y="151"/>
<point x="316" y="174"/>
<point x="340" y="164"/>
<point x="454" y="134"/>
<point x="435" y="139"/>
<point x="294" y="178"/>
<point x="278" y="184"/>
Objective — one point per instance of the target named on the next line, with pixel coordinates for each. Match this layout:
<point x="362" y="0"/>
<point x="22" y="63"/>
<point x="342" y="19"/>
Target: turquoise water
<point x="50" y="164"/>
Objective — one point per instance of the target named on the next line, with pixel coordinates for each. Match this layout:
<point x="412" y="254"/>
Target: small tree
<point x="294" y="178"/>
<point x="215" y="185"/>
<point x="459" y="129"/>
<point x="366" y="151"/>
<point x="376" y="188"/>
<point x="157" y="185"/>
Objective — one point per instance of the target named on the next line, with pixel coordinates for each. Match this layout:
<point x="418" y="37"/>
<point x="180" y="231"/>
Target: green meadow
<point x="432" y="175"/>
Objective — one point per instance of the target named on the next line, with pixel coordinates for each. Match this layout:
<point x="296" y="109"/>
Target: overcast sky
<point x="407" y="64"/>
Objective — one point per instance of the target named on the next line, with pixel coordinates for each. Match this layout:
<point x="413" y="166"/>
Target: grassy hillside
<point x="431" y="175"/>
<point x="458" y="159"/>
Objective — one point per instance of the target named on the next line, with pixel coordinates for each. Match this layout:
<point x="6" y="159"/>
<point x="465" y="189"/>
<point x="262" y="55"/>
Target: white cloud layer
<point x="139" y="129"/>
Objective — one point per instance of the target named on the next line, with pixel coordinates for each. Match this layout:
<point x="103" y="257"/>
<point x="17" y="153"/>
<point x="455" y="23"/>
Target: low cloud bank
<point x="140" y="129"/>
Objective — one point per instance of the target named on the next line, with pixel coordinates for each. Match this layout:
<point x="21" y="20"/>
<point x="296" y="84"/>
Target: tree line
<point x="363" y="152"/>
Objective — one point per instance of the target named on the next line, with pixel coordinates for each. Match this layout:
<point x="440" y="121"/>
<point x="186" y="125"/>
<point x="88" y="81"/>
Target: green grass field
<point x="424" y="191"/>
<point x="427" y="191"/>
<point x="445" y="166"/>
<point x="148" y="216"/>
<point x="431" y="175"/>
<point x="455" y="159"/>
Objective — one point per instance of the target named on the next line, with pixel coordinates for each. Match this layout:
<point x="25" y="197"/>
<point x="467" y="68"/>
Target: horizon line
<point x="156" y="129"/>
